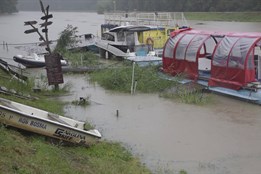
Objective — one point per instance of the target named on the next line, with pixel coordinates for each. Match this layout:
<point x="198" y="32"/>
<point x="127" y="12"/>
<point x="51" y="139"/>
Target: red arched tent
<point x="182" y="51"/>
<point x="233" y="61"/>
<point x="231" y="56"/>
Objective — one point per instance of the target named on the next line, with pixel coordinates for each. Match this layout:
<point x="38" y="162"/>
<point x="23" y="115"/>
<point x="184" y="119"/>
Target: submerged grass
<point x="22" y="92"/>
<point x="83" y="101"/>
<point x="80" y="58"/>
<point x="188" y="93"/>
<point x="12" y="83"/>
<point x="146" y="79"/>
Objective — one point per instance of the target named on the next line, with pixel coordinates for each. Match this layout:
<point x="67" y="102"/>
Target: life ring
<point x="150" y="42"/>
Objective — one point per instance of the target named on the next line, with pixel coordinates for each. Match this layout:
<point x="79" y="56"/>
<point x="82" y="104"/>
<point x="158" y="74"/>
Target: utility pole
<point x="114" y="6"/>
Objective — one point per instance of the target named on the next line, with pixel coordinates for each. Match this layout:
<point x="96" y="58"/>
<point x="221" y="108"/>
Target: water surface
<point x="221" y="137"/>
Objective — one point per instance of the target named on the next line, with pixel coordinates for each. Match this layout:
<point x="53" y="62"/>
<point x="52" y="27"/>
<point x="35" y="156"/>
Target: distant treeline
<point x="58" y="5"/>
<point x="180" y="5"/>
<point x="8" y="6"/>
<point x="131" y="5"/>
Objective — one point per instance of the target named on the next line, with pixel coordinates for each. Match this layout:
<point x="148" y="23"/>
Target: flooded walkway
<point x="218" y="138"/>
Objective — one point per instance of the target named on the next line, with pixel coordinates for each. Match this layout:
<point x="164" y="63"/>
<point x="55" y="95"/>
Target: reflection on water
<point x="216" y="138"/>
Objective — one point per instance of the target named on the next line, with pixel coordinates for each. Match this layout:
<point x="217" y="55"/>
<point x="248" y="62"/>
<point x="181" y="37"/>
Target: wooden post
<point x="54" y="69"/>
<point x="132" y="78"/>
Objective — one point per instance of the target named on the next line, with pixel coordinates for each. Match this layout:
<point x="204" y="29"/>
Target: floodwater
<point x="223" y="137"/>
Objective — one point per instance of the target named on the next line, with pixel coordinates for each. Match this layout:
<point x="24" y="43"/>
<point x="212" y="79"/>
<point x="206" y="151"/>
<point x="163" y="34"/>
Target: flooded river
<point x="222" y="137"/>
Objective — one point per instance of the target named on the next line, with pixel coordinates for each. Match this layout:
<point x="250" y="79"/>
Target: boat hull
<point x="33" y="63"/>
<point x="252" y="95"/>
<point x="29" y="63"/>
<point x="47" y="127"/>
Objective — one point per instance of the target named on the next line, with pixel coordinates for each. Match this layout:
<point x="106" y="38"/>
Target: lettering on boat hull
<point x="67" y="135"/>
<point x="32" y="123"/>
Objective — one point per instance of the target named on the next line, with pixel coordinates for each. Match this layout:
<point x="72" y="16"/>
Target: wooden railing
<point x="169" y="19"/>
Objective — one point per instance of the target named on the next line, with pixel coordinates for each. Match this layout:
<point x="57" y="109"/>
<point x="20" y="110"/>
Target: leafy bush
<point x="67" y="39"/>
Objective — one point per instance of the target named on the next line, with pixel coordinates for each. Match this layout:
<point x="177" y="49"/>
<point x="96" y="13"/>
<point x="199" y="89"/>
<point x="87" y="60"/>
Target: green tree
<point x="8" y="6"/>
<point x="67" y="39"/>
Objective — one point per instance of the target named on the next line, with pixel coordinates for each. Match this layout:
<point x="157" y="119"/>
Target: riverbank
<point x="26" y="152"/>
<point x="23" y="152"/>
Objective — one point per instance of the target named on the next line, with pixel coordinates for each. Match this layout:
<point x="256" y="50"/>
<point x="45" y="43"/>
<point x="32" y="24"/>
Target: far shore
<point x="204" y="16"/>
<point x="224" y="16"/>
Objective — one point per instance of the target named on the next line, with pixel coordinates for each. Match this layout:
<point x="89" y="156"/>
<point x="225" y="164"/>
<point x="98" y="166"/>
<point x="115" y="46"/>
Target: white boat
<point x="139" y="37"/>
<point x="45" y="123"/>
<point x="123" y="34"/>
<point x="134" y="43"/>
<point x="122" y="41"/>
<point x="34" y="60"/>
<point x="84" y="42"/>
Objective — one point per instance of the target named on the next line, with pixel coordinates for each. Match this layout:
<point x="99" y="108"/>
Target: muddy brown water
<point x="222" y="137"/>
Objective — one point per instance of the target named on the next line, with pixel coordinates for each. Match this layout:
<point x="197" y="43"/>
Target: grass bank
<point x="224" y="16"/>
<point x="24" y="152"/>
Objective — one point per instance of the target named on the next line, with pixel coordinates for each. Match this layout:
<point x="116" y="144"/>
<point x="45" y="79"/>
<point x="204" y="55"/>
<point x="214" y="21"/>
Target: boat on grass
<point x="48" y="124"/>
<point x="223" y="62"/>
<point x="34" y="60"/>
